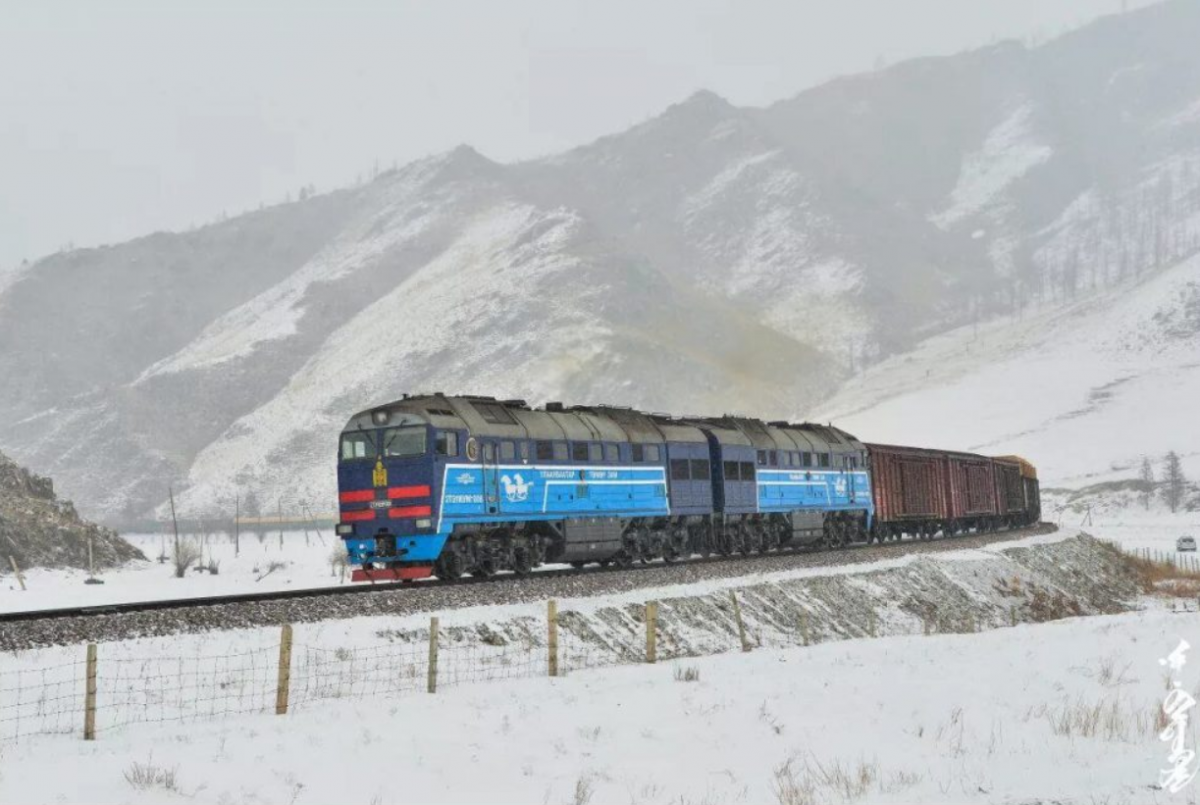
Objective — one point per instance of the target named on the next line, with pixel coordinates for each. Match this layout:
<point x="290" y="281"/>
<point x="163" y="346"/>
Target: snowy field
<point x="1063" y="711"/>
<point x="297" y="561"/>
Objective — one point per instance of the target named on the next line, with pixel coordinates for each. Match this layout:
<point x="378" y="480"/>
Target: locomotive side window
<point x="637" y="452"/>
<point x="611" y="454"/>
<point x="806" y="459"/>
<point x="823" y="459"/>
<point x="560" y="451"/>
<point x="357" y="445"/>
<point x="401" y="442"/>
<point x="679" y="469"/>
<point x="545" y="451"/>
<point x="579" y="451"/>
<point x="699" y="469"/>
<point x="747" y="470"/>
<point x="489" y="451"/>
<point x="762" y="458"/>
<point x="652" y="453"/>
<point x="447" y="443"/>
<point x="731" y="471"/>
<point x="508" y="451"/>
<point x="773" y="458"/>
<point x="595" y="454"/>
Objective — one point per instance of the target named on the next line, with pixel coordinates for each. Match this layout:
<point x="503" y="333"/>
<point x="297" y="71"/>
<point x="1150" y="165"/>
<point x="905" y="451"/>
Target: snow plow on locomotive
<point x="438" y="485"/>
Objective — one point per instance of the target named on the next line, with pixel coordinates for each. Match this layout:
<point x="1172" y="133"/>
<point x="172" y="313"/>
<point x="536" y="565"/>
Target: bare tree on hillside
<point x="1174" y="482"/>
<point x="1148" y="484"/>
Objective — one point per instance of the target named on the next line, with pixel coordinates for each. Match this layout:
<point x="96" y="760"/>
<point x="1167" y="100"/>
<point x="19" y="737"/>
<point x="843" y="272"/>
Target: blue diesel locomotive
<point x="446" y="485"/>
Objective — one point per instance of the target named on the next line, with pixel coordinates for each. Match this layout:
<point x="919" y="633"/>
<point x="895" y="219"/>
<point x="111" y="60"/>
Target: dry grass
<point x="689" y="674"/>
<point x="1164" y="578"/>
<point x="808" y="781"/>
<point x="183" y="555"/>
<point x="584" y="791"/>
<point x="145" y="776"/>
<point x="1106" y="719"/>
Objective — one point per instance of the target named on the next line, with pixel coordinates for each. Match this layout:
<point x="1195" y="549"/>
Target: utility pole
<point x="237" y="515"/>
<point x="174" y="521"/>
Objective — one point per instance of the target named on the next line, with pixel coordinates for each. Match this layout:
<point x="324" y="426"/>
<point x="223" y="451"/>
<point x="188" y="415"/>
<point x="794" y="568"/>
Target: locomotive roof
<point x="514" y="419"/>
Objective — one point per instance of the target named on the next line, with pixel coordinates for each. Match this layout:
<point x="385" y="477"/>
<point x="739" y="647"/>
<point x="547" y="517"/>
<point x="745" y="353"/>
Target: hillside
<point x="711" y="259"/>
<point x="39" y="530"/>
<point x="1085" y="392"/>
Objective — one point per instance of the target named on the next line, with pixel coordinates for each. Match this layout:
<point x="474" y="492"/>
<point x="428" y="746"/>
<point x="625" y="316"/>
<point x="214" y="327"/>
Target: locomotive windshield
<point x="358" y="445"/>
<point x="391" y="443"/>
<point x="399" y="442"/>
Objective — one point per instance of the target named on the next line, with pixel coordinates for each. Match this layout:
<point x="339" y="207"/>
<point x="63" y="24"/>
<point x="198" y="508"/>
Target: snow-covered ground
<point x="999" y="716"/>
<point x="297" y="561"/>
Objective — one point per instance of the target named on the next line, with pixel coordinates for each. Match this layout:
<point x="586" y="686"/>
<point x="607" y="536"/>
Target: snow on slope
<point x="775" y="258"/>
<point x="405" y="332"/>
<point x="1084" y="393"/>
<point x="275" y="313"/>
<point x="1009" y="152"/>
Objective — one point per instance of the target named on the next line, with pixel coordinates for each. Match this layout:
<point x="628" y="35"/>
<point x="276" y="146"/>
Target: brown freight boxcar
<point x="919" y="491"/>
<point x="1018" y="490"/>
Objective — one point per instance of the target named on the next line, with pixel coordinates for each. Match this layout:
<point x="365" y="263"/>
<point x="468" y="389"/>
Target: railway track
<point x="738" y="564"/>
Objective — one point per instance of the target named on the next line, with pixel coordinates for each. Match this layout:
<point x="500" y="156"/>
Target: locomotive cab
<point x="387" y="460"/>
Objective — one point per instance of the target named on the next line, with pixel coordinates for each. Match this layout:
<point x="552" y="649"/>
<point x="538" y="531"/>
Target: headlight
<point x="425" y="523"/>
<point x="344" y="529"/>
<point x="381" y="416"/>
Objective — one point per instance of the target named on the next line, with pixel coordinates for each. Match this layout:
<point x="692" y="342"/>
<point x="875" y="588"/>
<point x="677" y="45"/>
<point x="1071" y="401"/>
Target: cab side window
<point x="447" y="443"/>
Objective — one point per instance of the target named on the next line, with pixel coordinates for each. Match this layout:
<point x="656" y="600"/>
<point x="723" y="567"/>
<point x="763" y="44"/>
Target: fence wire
<point x="42" y="701"/>
<point x="159" y="689"/>
<point x="468" y="663"/>
<point x="370" y="672"/>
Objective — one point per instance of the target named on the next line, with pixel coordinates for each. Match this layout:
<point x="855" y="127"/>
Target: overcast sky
<point x="122" y="117"/>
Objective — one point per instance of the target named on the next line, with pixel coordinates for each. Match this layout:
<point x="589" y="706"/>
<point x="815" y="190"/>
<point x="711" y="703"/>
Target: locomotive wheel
<point x="485" y="568"/>
<point x="521" y="561"/>
<point x="624" y="559"/>
<point x="449" y="566"/>
<point x="578" y="565"/>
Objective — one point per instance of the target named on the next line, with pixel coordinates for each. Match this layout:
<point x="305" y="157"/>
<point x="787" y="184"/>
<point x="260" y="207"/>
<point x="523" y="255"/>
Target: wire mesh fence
<point x="42" y="701"/>
<point x="160" y="689"/>
<point x="370" y="672"/>
<point x="280" y="677"/>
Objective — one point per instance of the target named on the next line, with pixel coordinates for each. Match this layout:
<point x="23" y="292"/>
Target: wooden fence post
<point x="804" y="625"/>
<point x="89" y="707"/>
<point x="1012" y="615"/>
<point x="285" y="670"/>
<point x="433" y="652"/>
<point x="12" y="560"/>
<point x="552" y="624"/>
<point x="737" y="613"/>
<point x="871" y="623"/>
<point x="651" y="632"/>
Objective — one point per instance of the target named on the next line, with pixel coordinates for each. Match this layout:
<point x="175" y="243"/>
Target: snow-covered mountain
<point x="711" y="259"/>
<point x="1085" y="391"/>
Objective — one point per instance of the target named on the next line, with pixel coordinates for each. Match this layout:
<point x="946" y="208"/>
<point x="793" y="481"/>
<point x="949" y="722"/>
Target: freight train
<point x="438" y="485"/>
